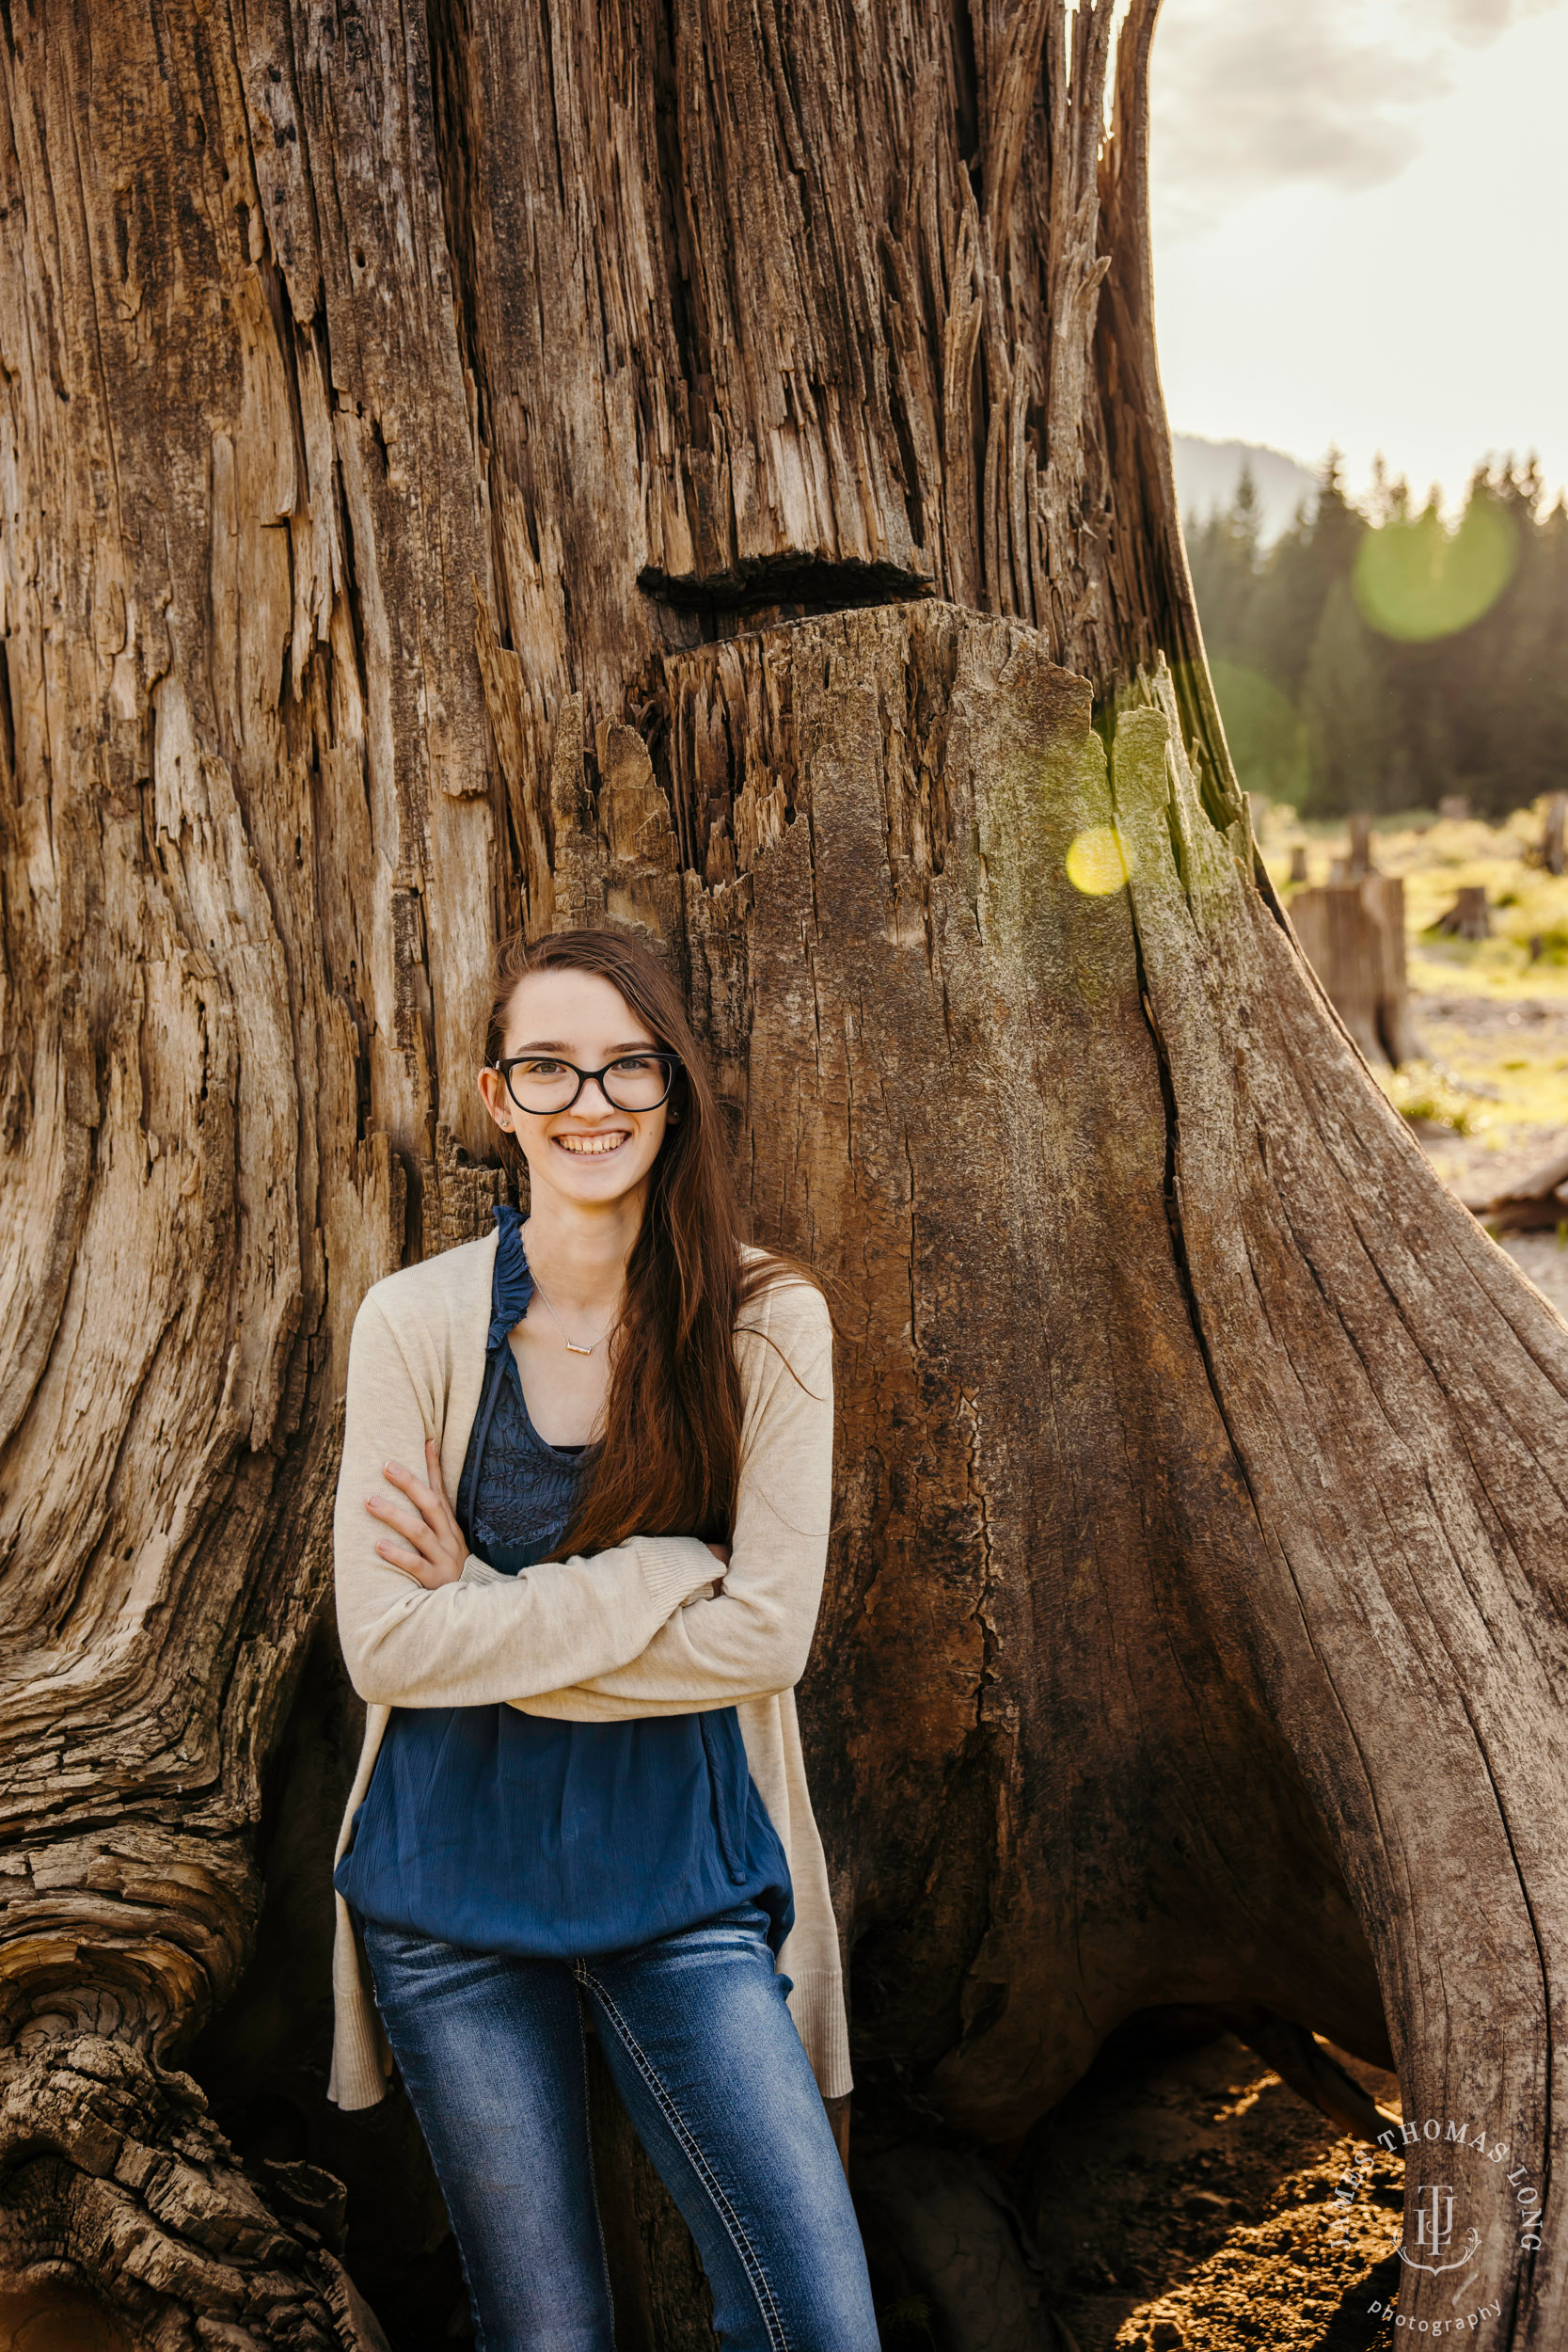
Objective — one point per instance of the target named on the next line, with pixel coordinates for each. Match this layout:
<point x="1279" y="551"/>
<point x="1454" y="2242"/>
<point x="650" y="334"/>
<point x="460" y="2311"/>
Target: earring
<point x="673" y="1119"/>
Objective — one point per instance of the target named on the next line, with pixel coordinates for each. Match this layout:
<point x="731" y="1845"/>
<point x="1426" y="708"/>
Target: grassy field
<point x="1494" y="1012"/>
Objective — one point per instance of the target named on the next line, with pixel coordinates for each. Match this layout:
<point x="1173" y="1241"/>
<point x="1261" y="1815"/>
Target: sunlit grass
<point x="1495" y="1076"/>
<point x="1425" y="1091"/>
<point x="1506" y="1082"/>
<point x="1436" y="857"/>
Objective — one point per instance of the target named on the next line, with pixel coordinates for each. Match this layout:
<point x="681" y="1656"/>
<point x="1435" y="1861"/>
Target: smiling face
<point x="595" y="1153"/>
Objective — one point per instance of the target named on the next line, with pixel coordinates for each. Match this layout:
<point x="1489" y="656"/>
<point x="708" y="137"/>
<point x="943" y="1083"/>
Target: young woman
<point x="582" y="1782"/>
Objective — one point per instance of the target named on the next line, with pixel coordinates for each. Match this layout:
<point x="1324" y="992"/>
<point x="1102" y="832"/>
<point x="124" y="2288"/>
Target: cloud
<point x="1270" y="92"/>
<point x="1477" y="21"/>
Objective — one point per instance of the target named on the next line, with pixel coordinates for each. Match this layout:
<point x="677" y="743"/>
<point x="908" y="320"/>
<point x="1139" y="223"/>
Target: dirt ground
<point x="1485" y="1043"/>
<point x="1192" y="2204"/>
<point x="1183" y="2202"/>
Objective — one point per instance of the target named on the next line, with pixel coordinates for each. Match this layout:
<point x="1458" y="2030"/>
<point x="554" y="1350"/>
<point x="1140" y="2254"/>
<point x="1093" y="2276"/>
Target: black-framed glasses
<point x="543" y="1084"/>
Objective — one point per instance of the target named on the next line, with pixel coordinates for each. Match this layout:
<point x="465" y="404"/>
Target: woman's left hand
<point x="722" y="1553"/>
<point x="434" y="1549"/>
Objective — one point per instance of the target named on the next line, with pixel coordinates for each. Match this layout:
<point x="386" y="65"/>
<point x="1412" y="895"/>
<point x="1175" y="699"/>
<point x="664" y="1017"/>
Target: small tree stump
<point x="1552" y="846"/>
<point x="1539" y="1200"/>
<point x="1298" y="863"/>
<point x="1360" y="860"/>
<point x="1468" y="917"/>
<point x="1455" y="807"/>
<point x="1352" y="935"/>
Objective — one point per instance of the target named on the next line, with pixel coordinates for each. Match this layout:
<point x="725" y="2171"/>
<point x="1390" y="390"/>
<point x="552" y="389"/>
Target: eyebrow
<point x="554" y="1046"/>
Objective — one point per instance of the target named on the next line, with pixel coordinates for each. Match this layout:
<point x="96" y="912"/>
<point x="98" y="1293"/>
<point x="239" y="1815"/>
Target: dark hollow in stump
<point x="1352" y="935"/>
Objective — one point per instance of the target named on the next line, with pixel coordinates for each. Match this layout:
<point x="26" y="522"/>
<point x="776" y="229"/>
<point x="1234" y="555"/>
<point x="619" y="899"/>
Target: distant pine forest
<point x="1375" y="656"/>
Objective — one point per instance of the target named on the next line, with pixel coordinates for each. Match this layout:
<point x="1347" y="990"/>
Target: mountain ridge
<point x="1209" y="474"/>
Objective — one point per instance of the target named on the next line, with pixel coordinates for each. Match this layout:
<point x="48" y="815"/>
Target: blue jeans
<point x="712" y="2074"/>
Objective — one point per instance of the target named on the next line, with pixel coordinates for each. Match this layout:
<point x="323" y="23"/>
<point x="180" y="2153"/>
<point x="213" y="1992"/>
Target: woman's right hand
<point x="434" y="1547"/>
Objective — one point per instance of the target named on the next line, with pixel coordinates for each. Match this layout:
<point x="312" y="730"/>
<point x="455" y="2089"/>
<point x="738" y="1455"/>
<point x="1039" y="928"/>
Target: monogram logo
<point x="1434" y="2206"/>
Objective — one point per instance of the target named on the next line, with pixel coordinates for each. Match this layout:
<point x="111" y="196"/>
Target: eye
<point x="540" y="1069"/>
<point x="636" y="1064"/>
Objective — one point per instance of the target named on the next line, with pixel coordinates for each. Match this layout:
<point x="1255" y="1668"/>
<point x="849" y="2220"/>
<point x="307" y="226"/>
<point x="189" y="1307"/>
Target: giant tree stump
<point x="705" y="470"/>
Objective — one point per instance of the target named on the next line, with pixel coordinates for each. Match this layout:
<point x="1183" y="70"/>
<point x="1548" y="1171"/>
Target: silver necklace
<point x="572" y="1347"/>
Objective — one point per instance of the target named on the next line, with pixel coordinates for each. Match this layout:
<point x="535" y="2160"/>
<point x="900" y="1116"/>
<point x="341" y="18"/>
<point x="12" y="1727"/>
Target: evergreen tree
<point x="1224" y="556"/>
<point x="1302" y="567"/>
<point x="1376" y="658"/>
<point x="1507" y="689"/>
<point x="1349" y="711"/>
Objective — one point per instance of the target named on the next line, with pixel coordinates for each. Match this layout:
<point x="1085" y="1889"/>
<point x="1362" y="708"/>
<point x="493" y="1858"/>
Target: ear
<point x="501" y="1113"/>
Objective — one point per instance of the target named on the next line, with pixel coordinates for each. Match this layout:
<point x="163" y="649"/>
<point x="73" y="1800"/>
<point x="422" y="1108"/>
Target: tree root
<point x="946" y="2244"/>
<point x="112" y="2173"/>
<point x="1300" y="2060"/>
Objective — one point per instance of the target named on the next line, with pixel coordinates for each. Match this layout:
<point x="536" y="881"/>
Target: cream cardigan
<point x="628" y="1632"/>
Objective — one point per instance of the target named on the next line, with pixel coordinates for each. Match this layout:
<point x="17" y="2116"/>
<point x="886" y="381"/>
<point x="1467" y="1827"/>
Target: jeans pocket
<point x="400" y="1962"/>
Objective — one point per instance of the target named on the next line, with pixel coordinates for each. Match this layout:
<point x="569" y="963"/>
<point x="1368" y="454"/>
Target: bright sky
<point x="1359" y="215"/>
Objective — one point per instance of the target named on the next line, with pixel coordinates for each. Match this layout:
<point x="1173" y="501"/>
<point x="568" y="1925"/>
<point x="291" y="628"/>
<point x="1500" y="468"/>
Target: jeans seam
<point x="751" y="2261"/>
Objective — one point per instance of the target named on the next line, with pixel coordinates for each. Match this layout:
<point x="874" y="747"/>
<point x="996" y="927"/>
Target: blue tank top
<point x="509" y="1833"/>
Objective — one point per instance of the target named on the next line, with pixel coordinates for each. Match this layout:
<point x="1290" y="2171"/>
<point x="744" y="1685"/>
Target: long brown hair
<point x="670" y="1457"/>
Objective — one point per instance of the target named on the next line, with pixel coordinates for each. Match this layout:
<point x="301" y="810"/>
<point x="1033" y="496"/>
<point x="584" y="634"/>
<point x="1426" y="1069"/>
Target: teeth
<point x="590" y="1144"/>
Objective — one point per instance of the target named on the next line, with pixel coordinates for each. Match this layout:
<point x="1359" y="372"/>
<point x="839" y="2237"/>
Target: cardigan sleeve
<point x="483" y="1639"/>
<point x="754" y="1638"/>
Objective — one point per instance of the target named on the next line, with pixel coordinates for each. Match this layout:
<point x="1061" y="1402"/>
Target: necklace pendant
<point x="572" y="1350"/>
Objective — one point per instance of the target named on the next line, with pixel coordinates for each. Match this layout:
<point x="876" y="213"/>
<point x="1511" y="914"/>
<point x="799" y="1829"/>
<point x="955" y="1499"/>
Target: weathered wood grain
<point x="703" y="467"/>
